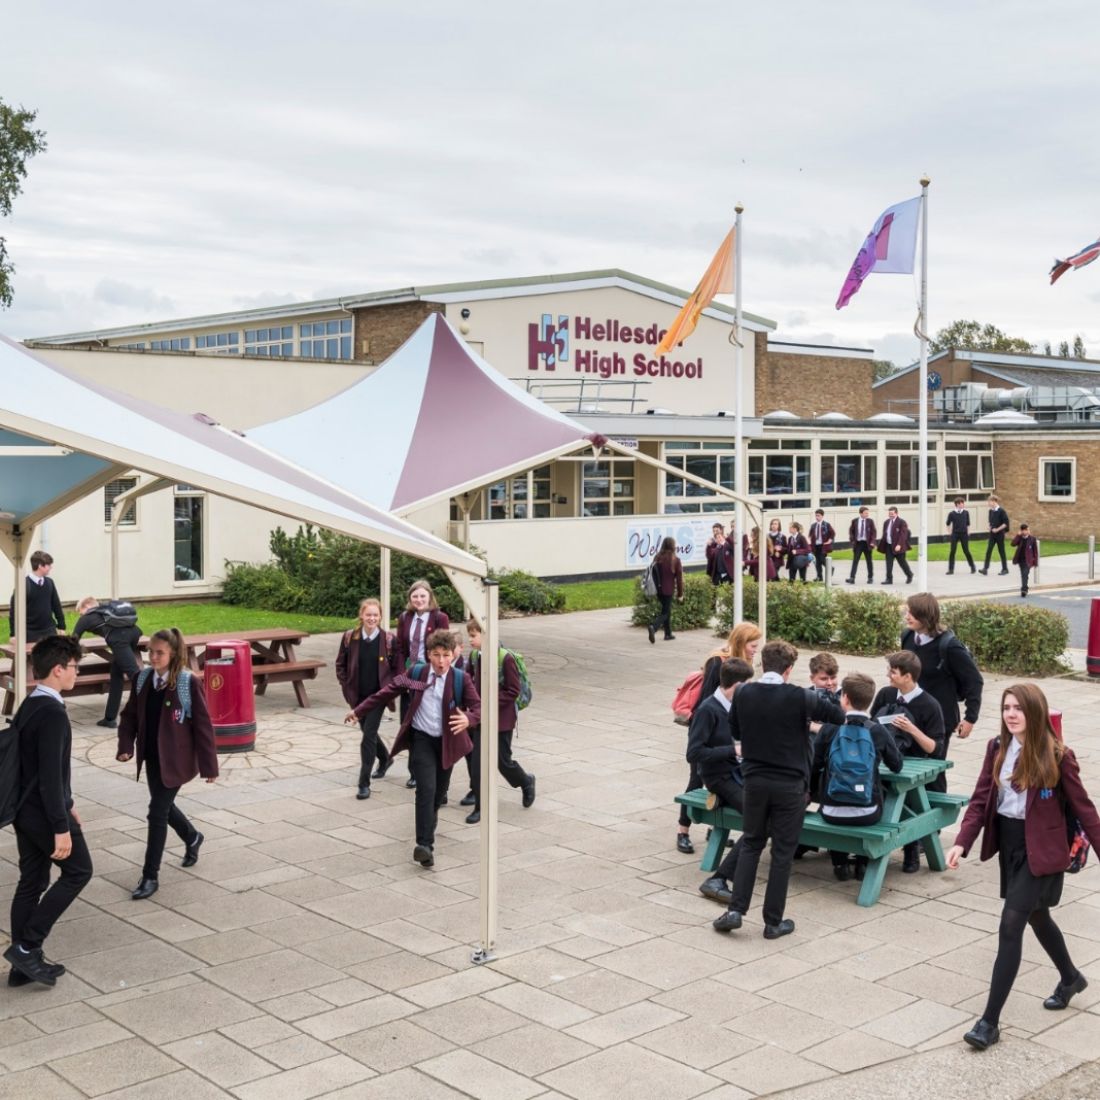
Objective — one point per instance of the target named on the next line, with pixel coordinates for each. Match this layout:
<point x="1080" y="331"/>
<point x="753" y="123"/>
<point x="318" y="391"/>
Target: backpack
<point x="943" y="641"/>
<point x="852" y="764"/>
<point x="650" y="586"/>
<point x="118" y="614"/>
<point x="523" y="700"/>
<point x="686" y="698"/>
<point x="183" y="688"/>
<point x="10" y="800"/>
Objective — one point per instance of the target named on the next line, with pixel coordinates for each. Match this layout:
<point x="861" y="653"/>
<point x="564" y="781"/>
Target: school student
<point x="824" y="671"/>
<point x="822" y="536"/>
<point x="777" y="548"/>
<point x="798" y="553"/>
<point x="1026" y="556"/>
<point x="757" y="554"/>
<point x="769" y="718"/>
<point x="116" y="623"/>
<point x="713" y="756"/>
<point x="998" y="529"/>
<point x="45" y="616"/>
<point x="1028" y="787"/>
<point x="894" y="545"/>
<point x="843" y="807"/>
<point x="47" y="826"/>
<point x="366" y="661"/>
<point x="167" y="726"/>
<point x="958" y="523"/>
<point x="421" y="617"/>
<point x="508" y="689"/>
<point x="670" y="583"/>
<point x="741" y="644"/>
<point x="916" y="720"/>
<point x="861" y="534"/>
<point x="435" y="729"/>
<point x="720" y="551"/>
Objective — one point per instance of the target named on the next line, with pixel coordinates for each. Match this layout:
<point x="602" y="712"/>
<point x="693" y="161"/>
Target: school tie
<point x="416" y="639"/>
<point x="862" y="532"/>
<point x="158" y="683"/>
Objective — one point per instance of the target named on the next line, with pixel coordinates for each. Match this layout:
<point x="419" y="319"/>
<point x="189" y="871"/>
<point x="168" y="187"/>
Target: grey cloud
<point x="111" y="292"/>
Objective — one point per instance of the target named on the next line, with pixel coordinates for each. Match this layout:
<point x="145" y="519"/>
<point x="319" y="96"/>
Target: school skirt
<point x="1019" y="887"/>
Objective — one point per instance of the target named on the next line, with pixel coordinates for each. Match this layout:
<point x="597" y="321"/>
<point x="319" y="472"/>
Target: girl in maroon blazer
<point x="165" y="721"/>
<point x="420" y="617"/>
<point x="1029" y="785"/>
<point x="1026" y="556"/>
<point x="799" y="553"/>
<point x="670" y="583"/>
<point x="366" y="662"/>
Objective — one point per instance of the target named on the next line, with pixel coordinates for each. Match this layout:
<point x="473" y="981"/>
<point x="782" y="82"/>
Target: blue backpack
<point x="853" y="761"/>
<point x="183" y="687"/>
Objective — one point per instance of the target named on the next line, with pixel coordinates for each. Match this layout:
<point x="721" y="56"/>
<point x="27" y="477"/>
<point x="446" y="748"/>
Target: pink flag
<point x="890" y="248"/>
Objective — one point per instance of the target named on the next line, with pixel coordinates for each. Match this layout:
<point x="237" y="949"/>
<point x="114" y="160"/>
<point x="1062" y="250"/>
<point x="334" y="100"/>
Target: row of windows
<point x="316" y="340"/>
<point x="188" y="514"/>
<point x="218" y="340"/>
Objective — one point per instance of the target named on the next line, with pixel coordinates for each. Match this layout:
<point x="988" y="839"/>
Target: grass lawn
<point x="216" y="618"/>
<point x="938" y="551"/>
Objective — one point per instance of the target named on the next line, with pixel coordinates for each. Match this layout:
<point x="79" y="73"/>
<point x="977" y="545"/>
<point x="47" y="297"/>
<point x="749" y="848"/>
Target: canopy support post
<point x="16" y="546"/>
<point x="384" y="564"/>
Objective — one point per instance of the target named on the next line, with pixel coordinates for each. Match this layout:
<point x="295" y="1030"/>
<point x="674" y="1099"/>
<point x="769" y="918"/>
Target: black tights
<point x="1010" y="949"/>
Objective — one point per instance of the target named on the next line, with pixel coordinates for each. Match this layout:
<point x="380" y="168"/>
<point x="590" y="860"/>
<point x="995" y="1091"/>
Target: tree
<point x="977" y="337"/>
<point x="18" y="143"/>
<point x="884" y="368"/>
<point x="1078" y="347"/>
<point x="1047" y="349"/>
<point x="1063" y="350"/>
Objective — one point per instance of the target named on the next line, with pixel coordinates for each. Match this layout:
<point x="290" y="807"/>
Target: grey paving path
<point x="306" y="955"/>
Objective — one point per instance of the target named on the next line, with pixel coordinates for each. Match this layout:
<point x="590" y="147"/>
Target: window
<point x="177" y="343"/>
<point x="1058" y="479"/>
<point x="278" y="340"/>
<point x="111" y="492"/>
<point x="326" y="339"/>
<point x="526" y="496"/>
<point x="778" y="475"/>
<point x="188" y="521"/>
<point x="607" y="487"/>
<point x="220" y="343"/>
<point x="963" y="472"/>
<point x="708" y="462"/>
<point x="849" y="473"/>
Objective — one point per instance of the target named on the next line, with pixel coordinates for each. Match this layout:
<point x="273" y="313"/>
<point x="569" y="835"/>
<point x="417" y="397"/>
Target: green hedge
<point x="695" y="612"/>
<point x="321" y="573"/>
<point x="1018" y="639"/>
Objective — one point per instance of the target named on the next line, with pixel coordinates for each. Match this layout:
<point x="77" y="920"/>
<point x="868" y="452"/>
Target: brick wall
<point x="381" y="330"/>
<point x="1016" y="463"/>
<point x="809" y="385"/>
<point x="899" y="395"/>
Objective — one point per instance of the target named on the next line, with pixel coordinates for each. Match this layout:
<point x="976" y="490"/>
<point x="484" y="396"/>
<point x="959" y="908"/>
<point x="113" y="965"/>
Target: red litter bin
<point x="227" y="673"/>
<point x="1056" y="722"/>
<point x="1092" y="661"/>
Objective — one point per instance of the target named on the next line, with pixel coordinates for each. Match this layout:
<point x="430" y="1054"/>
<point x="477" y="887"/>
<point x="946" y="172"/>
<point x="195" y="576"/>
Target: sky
<point x="208" y="157"/>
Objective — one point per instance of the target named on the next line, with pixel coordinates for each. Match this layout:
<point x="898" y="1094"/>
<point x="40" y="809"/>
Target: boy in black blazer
<point x="958" y="523"/>
<point x="713" y="755"/>
<point x="861" y="534"/>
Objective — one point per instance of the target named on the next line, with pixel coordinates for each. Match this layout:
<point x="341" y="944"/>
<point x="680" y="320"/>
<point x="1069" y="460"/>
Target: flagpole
<point x="922" y="478"/>
<point x="738" y="433"/>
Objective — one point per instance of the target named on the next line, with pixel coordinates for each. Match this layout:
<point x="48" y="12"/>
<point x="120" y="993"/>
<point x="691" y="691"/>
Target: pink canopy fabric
<point x="433" y="421"/>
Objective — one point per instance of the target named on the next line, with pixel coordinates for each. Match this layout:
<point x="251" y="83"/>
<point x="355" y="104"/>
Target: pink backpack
<point x="686" y="698"/>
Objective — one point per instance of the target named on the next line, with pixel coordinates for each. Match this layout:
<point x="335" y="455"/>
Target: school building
<point x="819" y="431"/>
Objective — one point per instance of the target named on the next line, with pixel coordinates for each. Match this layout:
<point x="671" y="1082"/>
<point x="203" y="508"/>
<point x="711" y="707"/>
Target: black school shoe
<point x="17" y="978"/>
<point x="31" y="965"/>
<point x="423" y="855"/>
<point x="191" y="852"/>
<point x="145" y="889"/>
<point x="717" y="890"/>
<point x="729" y="921"/>
<point x="982" y="1035"/>
<point x="469" y="799"/>
<point x="529" y="792"/>
<point x="1063" y="994"/>
<point x="775" y="931"/>
<point x="684" y="845"/>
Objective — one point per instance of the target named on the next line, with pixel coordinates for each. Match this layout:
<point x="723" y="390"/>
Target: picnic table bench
<point x="910" y="812"/>
<point x="274" y="661"/>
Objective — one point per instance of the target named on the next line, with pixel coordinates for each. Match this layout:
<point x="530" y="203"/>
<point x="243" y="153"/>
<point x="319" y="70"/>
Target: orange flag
<point x="718" y="279"/>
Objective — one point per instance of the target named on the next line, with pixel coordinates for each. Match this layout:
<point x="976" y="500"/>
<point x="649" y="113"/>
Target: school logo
<point x="547" y="343"/>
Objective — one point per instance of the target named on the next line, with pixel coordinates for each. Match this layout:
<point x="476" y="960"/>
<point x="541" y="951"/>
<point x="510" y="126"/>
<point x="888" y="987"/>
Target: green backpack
<point x="523" y="700"/>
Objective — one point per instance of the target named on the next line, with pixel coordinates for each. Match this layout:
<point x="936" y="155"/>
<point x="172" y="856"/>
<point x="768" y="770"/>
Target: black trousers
<point x="962" y="540"/>
<point x="773" y="810"/>
<point x="426" y="767"/>
<point x="903" y="565"/>
<point x="792" y="569"/>
<point x="506" y="765"/>
<point x="664" y="616"/>
<point x="371" y="747"/>
<point x="1025" y="572"/>
<point x="730" y="793"/>
<point x="125" y="665"/>
<point x="862" y="550"/>
<point x="37" y="905"/>
<point x="821" y="563"/>
<point x="998" y="541"/>
<point x="163" y="812"/>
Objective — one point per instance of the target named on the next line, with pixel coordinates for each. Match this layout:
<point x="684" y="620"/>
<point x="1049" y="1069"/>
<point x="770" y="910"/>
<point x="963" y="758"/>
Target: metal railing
<point x="586" y="394"/>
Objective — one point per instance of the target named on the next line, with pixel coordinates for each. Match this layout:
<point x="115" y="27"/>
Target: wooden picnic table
<point x="274" y="661"/>
<point x="910" y="812"/>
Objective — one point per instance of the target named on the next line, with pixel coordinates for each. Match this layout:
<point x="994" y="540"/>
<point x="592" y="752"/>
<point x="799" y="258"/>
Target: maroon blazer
<point x="437" y="620"/>
<point x="508" y="685"/>
<point x="347" y="663"/>
<point x="1027" y="551"/>
<point x="670" y="577"/>
<point x="827" y="533"/>
<point x="1045" y="832"/>
<point x="720" y="552"/>
<point x="455" y="746"/>
<point x="853" y="531"/>
<point x="899" y="536"/>
<point x="186" y="746"/>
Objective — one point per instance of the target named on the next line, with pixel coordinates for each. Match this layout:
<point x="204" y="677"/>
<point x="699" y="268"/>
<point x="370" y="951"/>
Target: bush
<point x="801" y="613"/>
<point x="521" y="591"/>
<point x="264" y="586"/>
<point x="866" y="622"/>
<point x="696" y="611"/>
<point x="1017" y="639"/>
<point x="723" y="605"/>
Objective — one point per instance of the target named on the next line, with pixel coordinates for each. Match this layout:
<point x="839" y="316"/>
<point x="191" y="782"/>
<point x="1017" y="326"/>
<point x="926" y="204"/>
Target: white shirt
<point x="720" y="695"/>
<point x="429" y="715"/>
<point x="771" y="678"/>
<point x="918" y="690"/>
<point x="43" y="689"/>
<point x="38" y="580"/>
<point x="368" y="637"/>
<point x="924" y="639"/>
<point x="1011" y="802"/>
